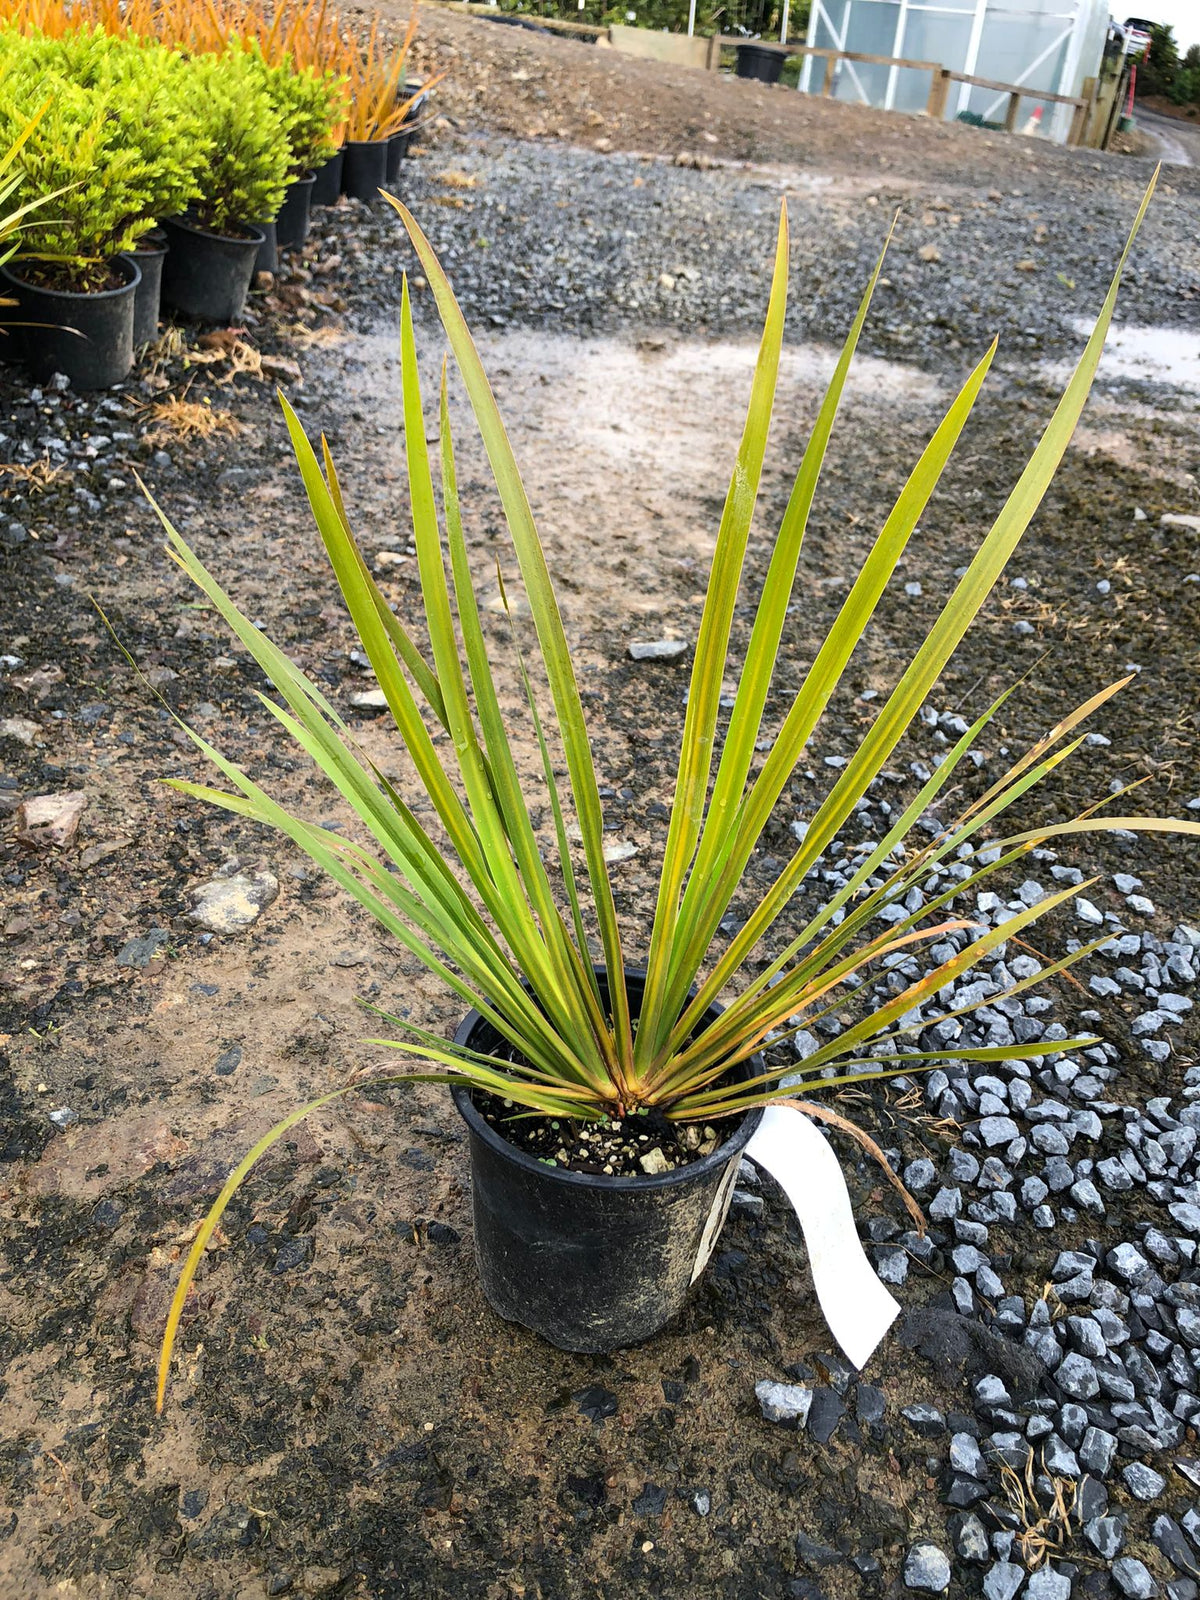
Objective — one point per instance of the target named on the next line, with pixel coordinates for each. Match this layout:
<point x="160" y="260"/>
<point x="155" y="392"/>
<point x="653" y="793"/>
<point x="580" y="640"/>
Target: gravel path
<point x="662" y="245"/>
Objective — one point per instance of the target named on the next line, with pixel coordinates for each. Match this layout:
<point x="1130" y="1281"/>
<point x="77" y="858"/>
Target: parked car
<point x="1137" y="36"/>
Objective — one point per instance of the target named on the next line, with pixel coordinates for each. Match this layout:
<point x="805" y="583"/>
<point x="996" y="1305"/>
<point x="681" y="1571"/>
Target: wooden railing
<point x="941" y="79"/>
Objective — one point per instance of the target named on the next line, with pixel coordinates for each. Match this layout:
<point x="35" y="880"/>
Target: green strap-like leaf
<point x="956" y="617"/>
<point x="708" y="664"/>
<point x="547" y="620"/>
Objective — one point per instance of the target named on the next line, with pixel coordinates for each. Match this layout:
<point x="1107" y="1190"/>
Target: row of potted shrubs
<point x="159" y="170"/>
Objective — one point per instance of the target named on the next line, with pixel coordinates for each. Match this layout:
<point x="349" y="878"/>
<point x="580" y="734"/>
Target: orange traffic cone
<point x="1034" y="126"/>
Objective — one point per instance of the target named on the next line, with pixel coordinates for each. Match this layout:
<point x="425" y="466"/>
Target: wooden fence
<point x="941" y="79"/>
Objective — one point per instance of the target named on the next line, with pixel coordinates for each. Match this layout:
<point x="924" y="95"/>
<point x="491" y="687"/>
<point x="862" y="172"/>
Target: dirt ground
<point x="347" y="1417"/>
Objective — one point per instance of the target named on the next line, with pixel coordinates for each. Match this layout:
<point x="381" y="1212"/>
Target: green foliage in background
<point x="309" y="105"/>
<point x="248" y="174"/>
<point x="122" y="143"/>
<point x="1161" y="72"/>
<point x="133" y="131"/>
<point x="749" y="17"/>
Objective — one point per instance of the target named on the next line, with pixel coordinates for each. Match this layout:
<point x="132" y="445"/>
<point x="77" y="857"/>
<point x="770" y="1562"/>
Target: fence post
<point x="1083" y="113"/>
<point x="830" y="68"/>
<point x="1010" y="116"/>
<point x="939" y="93"/>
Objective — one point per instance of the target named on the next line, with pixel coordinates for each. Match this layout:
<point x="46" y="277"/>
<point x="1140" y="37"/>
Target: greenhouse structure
<point x="1051" y="45"/>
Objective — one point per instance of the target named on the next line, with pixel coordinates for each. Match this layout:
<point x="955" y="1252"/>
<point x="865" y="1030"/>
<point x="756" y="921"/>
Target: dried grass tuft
<point x="179" y="418"/>
<point x="1044" y="1516"/>
<point x="32" y="476"/>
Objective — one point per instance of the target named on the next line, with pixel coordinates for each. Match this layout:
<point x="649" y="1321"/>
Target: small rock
<point x="1106" y="1535"/>
<point x="1002" y="1580"/>
<point x="783" y="1402"/>
<point x="1133" y="1579"/>
<point x="1169" y="1538"/>
<point x="1076" y="1376"/>
<point x="924" y="1419"/>
<point x="826" y="1412"/>
<point x="654" y="1162"/>
<point x="1142" y="1481"/>
<point x="658" y="650"/>
<point x="966" y="1456"/>
<point x="141" y="951"/>
<point x="971" y="1540"/>
<point x="20" y="729"/>
<point x="1047" y="1584"/>
<point x="281" y="369"/>
<point x="369" y="700"/>
<point x="998" y="1130"/>
<point x="927" y="1569"/>
<point x="50" y="820"/>
<point x="227" y="905"/>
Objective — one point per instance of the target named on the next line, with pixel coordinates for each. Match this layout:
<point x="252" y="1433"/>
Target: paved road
<point x="1179" y="141"/>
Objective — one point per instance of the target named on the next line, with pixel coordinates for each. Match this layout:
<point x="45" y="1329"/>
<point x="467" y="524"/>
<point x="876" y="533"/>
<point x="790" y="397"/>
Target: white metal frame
<point x="1072" y="16"/>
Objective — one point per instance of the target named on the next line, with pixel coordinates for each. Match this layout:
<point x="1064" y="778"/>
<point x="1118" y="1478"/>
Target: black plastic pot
<point x="88" y="337"/>
<point x="207" y="275"/>
<point x="147" y="296"/>
<point x="364" y="170"/>
<point x="291" y="225"/>
<point x="397" y="149"/>
<point x="327" y="180"/>
<point x="760" y="61"/>
<point x="415" y="112"/>
<point x="267" y="259"/>
<point x="591" y="1263"/>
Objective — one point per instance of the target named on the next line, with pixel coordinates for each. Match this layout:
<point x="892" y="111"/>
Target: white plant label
<point x="857" y="1307"/>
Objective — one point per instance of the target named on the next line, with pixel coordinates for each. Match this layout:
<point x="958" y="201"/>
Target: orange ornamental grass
<point x="376" y="81"/>
<point x="308" y="33"/>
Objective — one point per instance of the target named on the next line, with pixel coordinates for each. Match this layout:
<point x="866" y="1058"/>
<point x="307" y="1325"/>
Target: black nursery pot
<point x="591" y="1263"/>
<point x="267" y="259"/>
<point x="147" y="296"/>
<point x="759" y="61"/>
<point x="364" y="169"/>
<point x="397" y="149"/>
<point x="327" y="180"/>
<point x="291" y="225"/>
<point x="88" y="337"/>
<point x="207" y="275"/>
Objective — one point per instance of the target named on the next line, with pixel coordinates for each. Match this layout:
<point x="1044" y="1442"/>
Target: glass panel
<point x="912" y="89"/>
<point x="873" y="26"/>
<point x="929" y="37"/>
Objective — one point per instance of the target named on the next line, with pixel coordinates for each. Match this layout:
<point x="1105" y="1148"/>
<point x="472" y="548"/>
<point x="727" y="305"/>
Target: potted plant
<point x="607" y="1106"/>
<point x="163" y="114"/>
<point x="376" y="111"/>
<point x="310" y="106"/>
<point x="72" y="288"/>
<point x="214" y="243"/>
<point x="121" y="113"/>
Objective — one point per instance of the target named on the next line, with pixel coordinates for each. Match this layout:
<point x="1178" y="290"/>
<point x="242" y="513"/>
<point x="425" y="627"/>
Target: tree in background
<point x="1186" y="91"/>
<point x="1159" y="67"/>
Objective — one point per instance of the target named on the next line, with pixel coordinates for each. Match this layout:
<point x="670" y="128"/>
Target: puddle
<point x="625" y="447"/>
<point x="1148" y="355"/>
